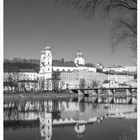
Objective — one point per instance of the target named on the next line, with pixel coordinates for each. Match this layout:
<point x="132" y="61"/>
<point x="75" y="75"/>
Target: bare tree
<point x="55" y="81"/>
<point x="82" y="83"/>
<point x="67" y="86"/>
<point x="125" y="27"/>
<point x="42" y="84"/>
<point x="12" y="81"/>
<point x="94" y="84"/>
<point x="61" y="85"/>
<point x="47" y="84"/>
<point x="23" y="86"/>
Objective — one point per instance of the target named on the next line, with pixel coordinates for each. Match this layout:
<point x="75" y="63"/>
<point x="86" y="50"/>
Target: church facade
<point x="47" y="66"/>
<point x="69" y="71"/>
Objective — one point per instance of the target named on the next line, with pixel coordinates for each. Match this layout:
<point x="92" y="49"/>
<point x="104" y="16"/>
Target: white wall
<point x="55" y="68"/>
<point x="120" y="78"/>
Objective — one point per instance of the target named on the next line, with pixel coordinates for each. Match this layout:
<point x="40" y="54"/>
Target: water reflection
<point x="49" y="114"/>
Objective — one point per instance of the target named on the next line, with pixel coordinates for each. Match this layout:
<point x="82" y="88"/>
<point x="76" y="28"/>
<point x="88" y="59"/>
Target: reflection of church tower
<point x="46" y="126"/>
<point x="79" y="60"/>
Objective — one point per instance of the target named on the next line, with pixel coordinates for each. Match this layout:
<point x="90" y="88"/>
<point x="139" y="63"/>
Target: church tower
<point x="46" y="67"/>
<point x="79" y="60"/>
<point x="42" y="62"/>
<point x="45" y="120"/>
<point x="48" y="62"/>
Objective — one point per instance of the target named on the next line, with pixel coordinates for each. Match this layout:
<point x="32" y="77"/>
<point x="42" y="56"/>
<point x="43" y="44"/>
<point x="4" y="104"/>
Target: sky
<point x="31" y="25"/>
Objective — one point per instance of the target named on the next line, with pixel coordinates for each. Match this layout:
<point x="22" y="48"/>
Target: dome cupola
<point x="79" y="54"/>
<point x="48" y="48"/>
<point x="79" y="60"/>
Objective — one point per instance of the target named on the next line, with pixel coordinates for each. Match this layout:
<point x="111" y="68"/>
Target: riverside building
<point x="63" y="75"/>
<point x="71" y="72"/>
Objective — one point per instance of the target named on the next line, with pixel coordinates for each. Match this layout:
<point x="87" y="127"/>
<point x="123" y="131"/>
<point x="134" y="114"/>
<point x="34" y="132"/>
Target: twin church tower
<point x="46" y="62"/>
<point x="47" y="66"/>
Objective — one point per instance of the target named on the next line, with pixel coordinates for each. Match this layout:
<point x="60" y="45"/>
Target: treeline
<point x="15" y="64"/>
<point x="21" y="60"/>
<point x="37" y="61"/>
<point x="62" y="60"/>
<point x="31" y="61"/>
<point x="14" y="67"/>
<point x="19" y="63"/>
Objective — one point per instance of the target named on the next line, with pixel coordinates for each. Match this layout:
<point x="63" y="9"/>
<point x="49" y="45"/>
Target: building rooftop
<point x="106" y="81"/>
<point x="27" y="70"/>
<point x="63" y="64"/>
<point x="90" y="65"/>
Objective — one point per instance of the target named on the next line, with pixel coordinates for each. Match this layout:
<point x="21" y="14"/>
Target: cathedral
<point x="47" y="66"/>
<point x="70" y="72"/>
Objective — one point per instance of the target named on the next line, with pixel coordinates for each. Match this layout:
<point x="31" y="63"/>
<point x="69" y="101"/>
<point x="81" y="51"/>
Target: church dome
<point x="79" y="54"/>
<point x="48" y="48"/>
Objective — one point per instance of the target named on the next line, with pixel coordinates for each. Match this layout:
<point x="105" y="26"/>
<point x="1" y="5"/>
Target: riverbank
<point x="42" y="96"/>
<point x="53" y="96"/>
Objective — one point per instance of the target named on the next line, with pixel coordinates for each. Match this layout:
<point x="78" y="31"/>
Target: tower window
<point x="48" y="69"/>
<point x="77" y="61"/>
<point x="42" y="63"/>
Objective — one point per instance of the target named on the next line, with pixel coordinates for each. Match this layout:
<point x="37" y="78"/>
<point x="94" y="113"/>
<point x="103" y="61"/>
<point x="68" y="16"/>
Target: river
<point x="70" y="119"/>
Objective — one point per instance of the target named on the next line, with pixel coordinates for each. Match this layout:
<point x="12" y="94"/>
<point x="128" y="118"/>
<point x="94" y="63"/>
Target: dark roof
<point x="81" y="65"/>
<point x="63" y="64"/>
<point x="106" y="81"/>
<point x="90" y="66"/>
<point x="27" y="70"/>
